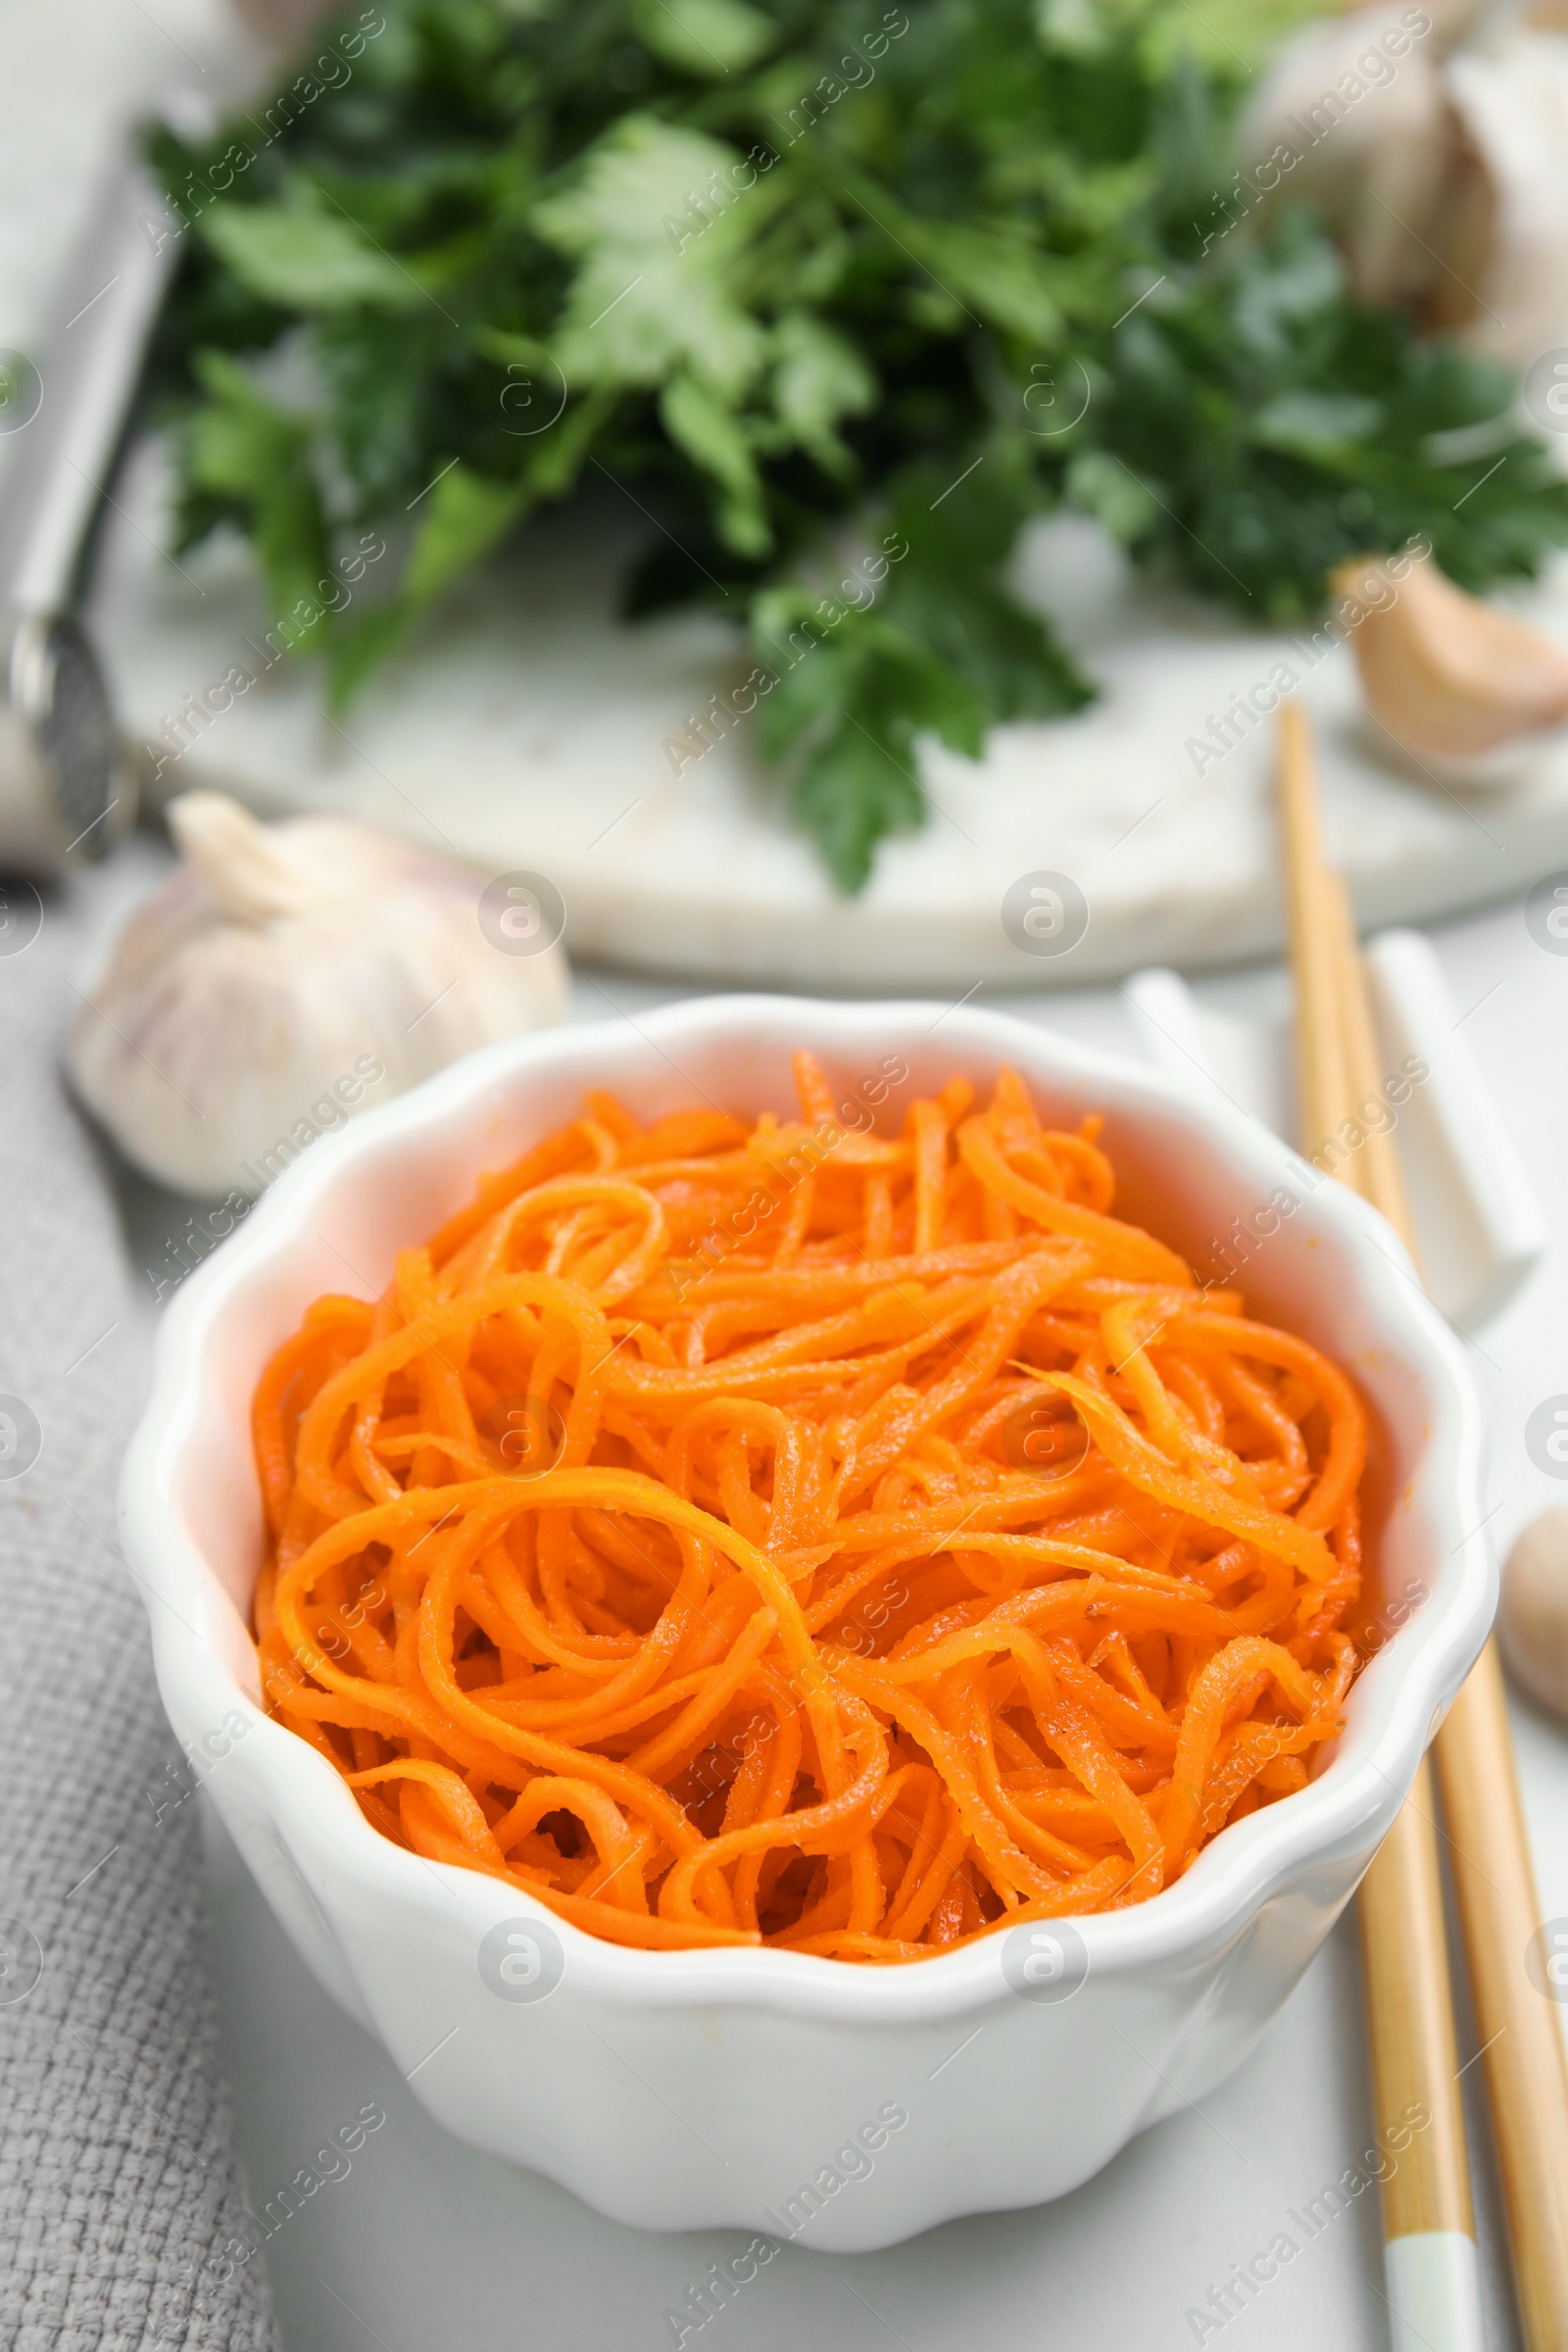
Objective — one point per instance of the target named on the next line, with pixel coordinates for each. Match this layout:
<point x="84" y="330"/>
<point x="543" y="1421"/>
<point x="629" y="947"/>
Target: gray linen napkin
<point x="121" y="2212"/>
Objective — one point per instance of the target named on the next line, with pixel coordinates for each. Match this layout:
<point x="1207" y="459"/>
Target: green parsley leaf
<point x="818" y="286"/>
<point x="303" y="254"/>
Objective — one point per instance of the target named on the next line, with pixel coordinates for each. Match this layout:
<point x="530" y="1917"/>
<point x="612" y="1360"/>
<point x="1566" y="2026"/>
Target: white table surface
<point x="428" y="2244"/>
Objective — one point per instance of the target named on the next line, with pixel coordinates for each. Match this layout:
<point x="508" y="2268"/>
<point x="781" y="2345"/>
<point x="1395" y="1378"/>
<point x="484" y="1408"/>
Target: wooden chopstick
<point x="1427" y="2220"/>
<point x="1376" y="1165"/>
<point x="1527" y="2077"/>
<point x="1322" y="1080"/>
<point x="1493" y="1879"/>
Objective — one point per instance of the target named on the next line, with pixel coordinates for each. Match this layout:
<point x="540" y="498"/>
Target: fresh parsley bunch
<point x="810" y="280"/>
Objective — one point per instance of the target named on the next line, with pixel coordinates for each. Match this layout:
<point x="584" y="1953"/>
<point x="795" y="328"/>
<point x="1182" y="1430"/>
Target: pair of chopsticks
<point x="1428" y="2219"/>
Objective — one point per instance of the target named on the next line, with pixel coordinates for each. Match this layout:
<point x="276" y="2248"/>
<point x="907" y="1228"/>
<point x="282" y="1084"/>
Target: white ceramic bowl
<point x="684" y="2089"/>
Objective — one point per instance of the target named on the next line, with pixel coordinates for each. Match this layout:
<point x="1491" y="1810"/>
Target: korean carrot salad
<point x="837" y="1534"/>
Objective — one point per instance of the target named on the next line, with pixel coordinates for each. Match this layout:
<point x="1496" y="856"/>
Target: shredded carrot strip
<point x="806" y="1535"/>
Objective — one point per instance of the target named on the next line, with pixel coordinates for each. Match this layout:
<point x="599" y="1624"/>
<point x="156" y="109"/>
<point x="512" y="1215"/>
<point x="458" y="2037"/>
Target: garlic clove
<point x="284" y="978"/>
<point x="1532" y="1615"/>
<point x="1450" y="677"/>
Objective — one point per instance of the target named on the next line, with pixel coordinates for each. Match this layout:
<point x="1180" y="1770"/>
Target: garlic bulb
<point x="1439" y="156"/>
<point x="1452" y="679"/>
<point x="1353" y="116"/>
<point x="1533" y="1616"/>
<point x="289" y="975"/>
<point x="1505" y="240"/>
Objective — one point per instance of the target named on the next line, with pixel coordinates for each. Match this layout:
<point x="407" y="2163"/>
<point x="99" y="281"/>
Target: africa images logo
<point x="1045" y="914"/>
<point x="1045" y="1961"/>
<point x="521" y="1960"/>
<point x="521" y="913"/>
<point x="1547" y="1437"/>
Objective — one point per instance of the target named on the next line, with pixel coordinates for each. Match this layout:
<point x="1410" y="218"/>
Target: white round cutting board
<point x="528" y="729"/>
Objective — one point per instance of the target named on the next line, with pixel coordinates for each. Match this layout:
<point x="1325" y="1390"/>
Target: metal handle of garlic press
<point x="67" y="792"/>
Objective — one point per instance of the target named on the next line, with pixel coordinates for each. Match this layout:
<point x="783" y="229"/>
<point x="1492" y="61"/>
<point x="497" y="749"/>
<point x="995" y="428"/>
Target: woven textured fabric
<point x="122" y="2215"/>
